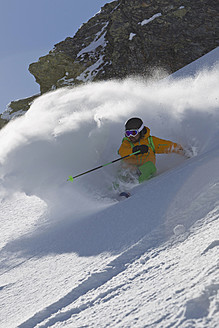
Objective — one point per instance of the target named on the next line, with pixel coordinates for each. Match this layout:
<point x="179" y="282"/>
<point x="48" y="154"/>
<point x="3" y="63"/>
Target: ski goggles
<point x="134" y="132"/>
<point x="131" y="133"/>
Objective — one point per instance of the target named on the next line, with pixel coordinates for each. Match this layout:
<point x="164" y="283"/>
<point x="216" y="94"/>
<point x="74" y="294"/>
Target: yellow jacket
<point x="155" y="145"/>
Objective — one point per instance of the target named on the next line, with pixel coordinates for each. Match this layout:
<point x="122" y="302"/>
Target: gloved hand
<point x="143" y="149"/>
<point x="182" y="151"/>
<point x="189" y="152"/>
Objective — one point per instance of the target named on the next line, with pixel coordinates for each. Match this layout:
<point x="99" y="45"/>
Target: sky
<point x="30" y="29"/>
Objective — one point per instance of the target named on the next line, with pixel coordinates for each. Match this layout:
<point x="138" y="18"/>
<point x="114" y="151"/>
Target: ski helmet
<point x="135" y="123"/>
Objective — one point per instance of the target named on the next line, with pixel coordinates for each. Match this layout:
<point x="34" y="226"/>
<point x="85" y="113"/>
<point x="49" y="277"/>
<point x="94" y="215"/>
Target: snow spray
<point x="70" y="130"/>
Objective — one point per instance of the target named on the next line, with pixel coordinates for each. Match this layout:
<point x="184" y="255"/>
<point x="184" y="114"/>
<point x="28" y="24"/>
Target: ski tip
<point x="125" y="194"/>
<point x="70" y="178"/>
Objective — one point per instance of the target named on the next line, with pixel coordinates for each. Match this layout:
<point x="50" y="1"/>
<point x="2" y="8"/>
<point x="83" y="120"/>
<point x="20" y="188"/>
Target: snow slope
<point x="71" y="254"/>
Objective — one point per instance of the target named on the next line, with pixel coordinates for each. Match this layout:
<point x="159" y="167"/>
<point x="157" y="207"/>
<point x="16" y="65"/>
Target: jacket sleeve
<point x="165" y="146"/>
<point x="126" y="149"/>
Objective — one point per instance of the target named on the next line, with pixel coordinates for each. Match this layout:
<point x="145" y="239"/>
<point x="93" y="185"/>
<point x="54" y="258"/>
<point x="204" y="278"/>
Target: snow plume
<point x="71" y="255"/>
<point x="72" y="130"/>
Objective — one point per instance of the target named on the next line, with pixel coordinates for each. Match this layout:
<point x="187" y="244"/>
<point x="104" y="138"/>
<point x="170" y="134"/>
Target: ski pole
<point x="71" y="178"/>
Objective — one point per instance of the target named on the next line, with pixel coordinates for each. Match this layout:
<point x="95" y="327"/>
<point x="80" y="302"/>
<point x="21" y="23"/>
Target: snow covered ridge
<point x="73" y="256"/>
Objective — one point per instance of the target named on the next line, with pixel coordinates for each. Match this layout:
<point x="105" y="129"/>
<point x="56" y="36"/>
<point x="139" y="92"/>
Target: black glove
<point x="143" y="149"/>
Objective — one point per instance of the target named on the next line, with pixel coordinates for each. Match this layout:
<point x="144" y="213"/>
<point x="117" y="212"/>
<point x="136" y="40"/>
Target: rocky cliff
<point x="130" y="37"/>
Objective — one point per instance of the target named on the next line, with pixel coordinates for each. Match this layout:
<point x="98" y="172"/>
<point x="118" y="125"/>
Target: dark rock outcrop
<point x="15" y="109"/>
<point x="132" y="37"/>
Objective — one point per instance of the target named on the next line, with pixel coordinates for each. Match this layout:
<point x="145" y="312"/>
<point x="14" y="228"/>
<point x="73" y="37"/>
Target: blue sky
<point x="29" y="30"/>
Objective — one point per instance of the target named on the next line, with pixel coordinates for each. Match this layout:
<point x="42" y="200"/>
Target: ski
<point x="124" y="194"/>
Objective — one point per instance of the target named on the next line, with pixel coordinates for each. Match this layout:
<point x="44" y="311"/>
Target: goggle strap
<point x="141" y="128"/>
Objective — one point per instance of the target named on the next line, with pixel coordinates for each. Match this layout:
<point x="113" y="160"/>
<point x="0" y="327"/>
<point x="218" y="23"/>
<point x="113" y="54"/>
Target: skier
<point x="138" y="138"/>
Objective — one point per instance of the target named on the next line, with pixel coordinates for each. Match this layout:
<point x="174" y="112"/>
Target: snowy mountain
<point x="131" y="37"/>
<point x="72" y="255"/>
<point x="126" y="38"/>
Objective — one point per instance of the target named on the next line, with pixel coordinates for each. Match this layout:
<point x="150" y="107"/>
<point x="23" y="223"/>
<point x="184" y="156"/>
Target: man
<point x="138" y="139"/>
